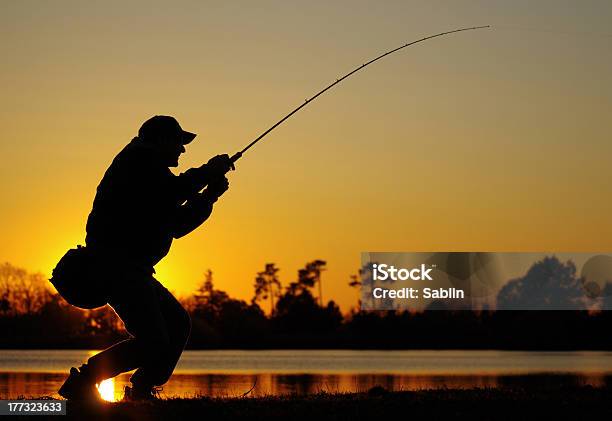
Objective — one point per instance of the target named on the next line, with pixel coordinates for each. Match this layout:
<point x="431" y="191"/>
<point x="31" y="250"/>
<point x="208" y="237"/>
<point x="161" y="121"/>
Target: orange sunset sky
<point x="495" y="140"/>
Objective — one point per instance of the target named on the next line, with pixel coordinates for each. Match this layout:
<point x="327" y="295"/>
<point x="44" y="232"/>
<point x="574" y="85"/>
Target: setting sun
<point x="107" y="390"/>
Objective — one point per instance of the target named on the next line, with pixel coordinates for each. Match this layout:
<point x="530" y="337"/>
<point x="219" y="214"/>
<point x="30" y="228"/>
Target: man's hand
<point x="216" y="188"/>
<point x="219" y="165"/>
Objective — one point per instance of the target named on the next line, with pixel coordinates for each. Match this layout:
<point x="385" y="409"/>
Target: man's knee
<point x="160" y="341"/>
<point x="175" y="332"/>
<point x="178" y="321"/>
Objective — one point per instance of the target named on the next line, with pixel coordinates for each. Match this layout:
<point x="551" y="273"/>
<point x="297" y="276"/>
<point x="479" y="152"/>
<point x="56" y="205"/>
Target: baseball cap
<point x="166" y="126"/>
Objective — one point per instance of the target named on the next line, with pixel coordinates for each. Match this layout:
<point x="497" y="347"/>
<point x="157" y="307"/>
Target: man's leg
<point x="134" y="297"/>
<point x="137" y="303"/>
<point x="177" y="326"/>
<point x="159" y="326"/>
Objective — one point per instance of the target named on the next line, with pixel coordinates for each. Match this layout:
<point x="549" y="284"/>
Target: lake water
<point x="232" y="373"/>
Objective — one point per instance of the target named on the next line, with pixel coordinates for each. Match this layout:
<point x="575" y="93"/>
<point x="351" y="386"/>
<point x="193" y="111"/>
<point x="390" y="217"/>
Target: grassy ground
<point x="516" y="404"/>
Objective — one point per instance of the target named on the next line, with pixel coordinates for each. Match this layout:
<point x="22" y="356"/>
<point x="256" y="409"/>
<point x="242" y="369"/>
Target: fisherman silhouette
<point x="139" y="208"/>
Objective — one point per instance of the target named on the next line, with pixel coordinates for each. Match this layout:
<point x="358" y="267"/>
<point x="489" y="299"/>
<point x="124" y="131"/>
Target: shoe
<point x="142" y="394"/>
<point x="79" y="387"/>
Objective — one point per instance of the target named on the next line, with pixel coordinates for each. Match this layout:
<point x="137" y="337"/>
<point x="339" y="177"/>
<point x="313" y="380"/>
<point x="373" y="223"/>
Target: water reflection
<point x="232" y="372"/>
<point x="319" y="362"/>
<point x="13" y="385"/>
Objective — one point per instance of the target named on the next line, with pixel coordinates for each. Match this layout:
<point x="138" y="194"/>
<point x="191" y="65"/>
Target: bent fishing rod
<point x="238" y="155"/>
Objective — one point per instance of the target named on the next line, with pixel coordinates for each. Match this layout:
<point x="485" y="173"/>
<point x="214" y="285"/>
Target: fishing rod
<point x="238" y="155"/>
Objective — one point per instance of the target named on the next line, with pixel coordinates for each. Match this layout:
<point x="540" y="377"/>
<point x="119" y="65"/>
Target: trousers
<point x="159" y="328"/>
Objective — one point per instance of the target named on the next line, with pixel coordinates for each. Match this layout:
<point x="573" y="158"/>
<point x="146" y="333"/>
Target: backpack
<point x="77" y="278"/>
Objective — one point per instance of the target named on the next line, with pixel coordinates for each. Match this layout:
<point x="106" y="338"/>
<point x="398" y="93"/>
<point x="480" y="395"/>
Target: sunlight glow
<point x="107" y="390"/>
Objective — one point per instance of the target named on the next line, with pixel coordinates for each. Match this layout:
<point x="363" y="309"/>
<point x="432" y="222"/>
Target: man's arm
<point x="188" y="184"/>
<point x="197" y="209"/>
<point x="192" y="214"/>
<point x="191" y="182"/>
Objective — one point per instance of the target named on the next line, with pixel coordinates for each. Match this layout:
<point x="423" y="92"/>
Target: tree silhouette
<point x="310" y="276"/>
<point x="355" y="282"/>
<point x="298" y="311"/>
<point x="204" y="293"/>
<point x="548" y="285"/>
<point x="22" y="292"/>
<point x="32" y="315"/>
<point x="607" y="297"/>
<point x="208" y="301"/>
<point x="267" y="285"/>
<point x="218" y="319"/>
